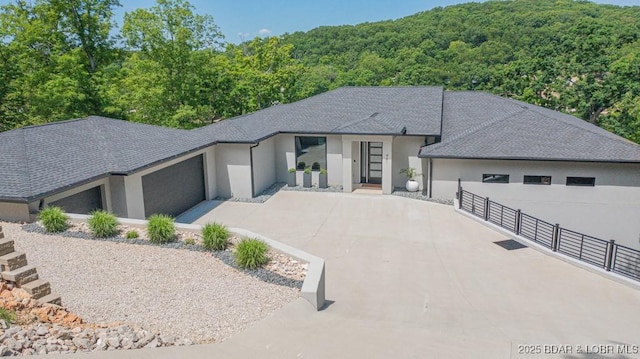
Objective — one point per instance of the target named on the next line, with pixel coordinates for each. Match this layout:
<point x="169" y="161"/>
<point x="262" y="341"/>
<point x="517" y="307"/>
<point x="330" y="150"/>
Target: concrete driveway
<point x="411" y="279"/>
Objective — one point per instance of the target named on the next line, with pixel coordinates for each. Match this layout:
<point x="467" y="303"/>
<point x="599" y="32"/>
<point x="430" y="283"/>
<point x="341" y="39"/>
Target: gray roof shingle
<point x="41" y="160"/>
<point x="479" y="125"/>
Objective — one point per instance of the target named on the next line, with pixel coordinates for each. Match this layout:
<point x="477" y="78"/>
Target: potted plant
<point x="291" y="178"/>
<point x="301" y="166"/>
<point x="315" y="166"/>
<point x="322" y="178"/>
<point x="306" y="178"/>
<point x="412" y="185"/>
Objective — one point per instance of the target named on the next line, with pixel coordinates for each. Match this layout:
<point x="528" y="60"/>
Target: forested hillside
<point x="170" y="66"/>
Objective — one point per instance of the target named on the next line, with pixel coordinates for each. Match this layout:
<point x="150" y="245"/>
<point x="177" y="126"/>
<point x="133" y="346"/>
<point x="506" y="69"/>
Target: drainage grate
<point x="510" y="244"/>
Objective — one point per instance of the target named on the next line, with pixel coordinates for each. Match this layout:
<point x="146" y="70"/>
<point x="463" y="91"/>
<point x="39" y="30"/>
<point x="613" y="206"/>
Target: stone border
<point x="547" y="251"/>
<point x="313" y="287"/>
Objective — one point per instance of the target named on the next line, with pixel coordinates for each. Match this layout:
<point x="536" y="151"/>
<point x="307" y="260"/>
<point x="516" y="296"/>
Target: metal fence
<point x="598" y="252"/>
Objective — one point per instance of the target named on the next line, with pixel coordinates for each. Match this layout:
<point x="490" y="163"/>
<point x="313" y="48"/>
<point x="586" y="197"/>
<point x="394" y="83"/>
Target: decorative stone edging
<point x="313" y="286"/>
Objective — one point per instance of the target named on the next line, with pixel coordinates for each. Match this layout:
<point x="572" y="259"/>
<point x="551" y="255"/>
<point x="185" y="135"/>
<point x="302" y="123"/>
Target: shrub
<point x="215" y="236"/>
<point x="315" y="166"/>
<point x="323" y="171"/>
<point x="161" y="229"/>
<point x="132" y="234"/>
<point x="307" y="170"/>
<point x="251" y="253"/>
<point x="301" y="165"/>
<point x="292" y="170"/>
<point x="190" y="241"/>
<point x="7" y="315"/>
<point x="54" y="219"/>
<point x="103" y="224"/>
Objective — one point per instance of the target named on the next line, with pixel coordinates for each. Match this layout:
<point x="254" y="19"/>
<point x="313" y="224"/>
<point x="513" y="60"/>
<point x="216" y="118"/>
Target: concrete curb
<point x="313" y="287"/>
<point x="542" y="249"/>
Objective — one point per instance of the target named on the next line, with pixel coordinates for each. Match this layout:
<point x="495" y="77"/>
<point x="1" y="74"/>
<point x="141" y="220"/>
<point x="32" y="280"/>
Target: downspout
<point x="430" y="178"/>
<point x="253" y="186"/>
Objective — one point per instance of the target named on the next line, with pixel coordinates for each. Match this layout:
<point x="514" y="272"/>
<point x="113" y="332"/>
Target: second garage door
<point x="174" y="189"/>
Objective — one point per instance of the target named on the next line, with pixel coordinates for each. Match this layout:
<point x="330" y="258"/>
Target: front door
<point x="371" y="162"/>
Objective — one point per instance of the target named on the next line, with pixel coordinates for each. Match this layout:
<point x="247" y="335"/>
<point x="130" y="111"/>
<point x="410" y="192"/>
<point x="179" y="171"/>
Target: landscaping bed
<point x="174" y="293"/>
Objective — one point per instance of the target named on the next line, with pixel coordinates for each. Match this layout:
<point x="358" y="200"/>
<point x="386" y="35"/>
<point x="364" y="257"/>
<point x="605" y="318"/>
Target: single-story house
<point x="551" y="165"/>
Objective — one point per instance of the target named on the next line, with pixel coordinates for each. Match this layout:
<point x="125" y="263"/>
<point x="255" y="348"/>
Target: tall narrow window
<point x="495" y="178"/>
<point x="537" y="180"/>
<point x="311" y="152"/>
<point x="581" y="181"/>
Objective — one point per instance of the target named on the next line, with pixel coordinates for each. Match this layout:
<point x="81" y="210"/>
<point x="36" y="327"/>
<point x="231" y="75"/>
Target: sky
<point x="245" y="19"/>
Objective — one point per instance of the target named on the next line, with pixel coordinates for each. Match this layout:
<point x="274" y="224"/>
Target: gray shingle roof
<point x="48" y="158"/>
<point x="40" y="160"/>
<point x="360" y="110"/>
<point x="479" y="125"/>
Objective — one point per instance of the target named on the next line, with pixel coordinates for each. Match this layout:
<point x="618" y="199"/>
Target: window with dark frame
<point x="581" y="181"/>
<point x="311" y="152"/>
<point x="495" y="178"/>
<point x="544" y="180"/>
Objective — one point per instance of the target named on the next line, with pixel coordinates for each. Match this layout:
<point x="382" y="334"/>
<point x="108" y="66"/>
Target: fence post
<point x="609" y="260"/>
<point x="460" y="195"/>
<point x="486" y="209"/>
<point x="556" y="236"/>
<point x="518" y="221"/>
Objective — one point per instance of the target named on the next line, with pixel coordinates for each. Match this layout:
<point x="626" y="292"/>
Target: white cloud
<point x="264" y="32"/>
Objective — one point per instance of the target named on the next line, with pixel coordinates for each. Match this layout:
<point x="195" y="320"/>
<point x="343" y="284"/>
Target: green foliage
<point x="215" y="236"/>
<point x="251" y="253"/>
<point x="161" y="229"/>
<point x="323" y="171"/>
<point x="7" y="315"/>
<point x="410" y="172"/>
<point x="292" y="170"/>
<point x="54" y="219"/>
<point x="307" y="170"/>
<point x="60" y="60"/>
<point x="190" y="241"/>
<point x="132" y="234"/>
<point x="103" y="224"/>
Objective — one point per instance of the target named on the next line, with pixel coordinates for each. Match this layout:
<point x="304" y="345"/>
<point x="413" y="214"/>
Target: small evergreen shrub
<point x="7" y="315"/>
<point x="103" y="224"/>
<point x="251" y="253"/>
<point x="54" y="219"/>
<point x="292" y="170"/>
<point x="161" y="229"/>
<point x="190" y="241"/>
<point x="215" y="236"/>
<point x="132" y="234"/>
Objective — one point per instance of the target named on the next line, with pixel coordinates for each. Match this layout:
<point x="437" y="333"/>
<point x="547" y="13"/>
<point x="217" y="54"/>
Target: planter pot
<point x="322" y="180"/>
<point x="412" y="186"/>
<point x="291" y="179"/>
<point x="306" y="180"/>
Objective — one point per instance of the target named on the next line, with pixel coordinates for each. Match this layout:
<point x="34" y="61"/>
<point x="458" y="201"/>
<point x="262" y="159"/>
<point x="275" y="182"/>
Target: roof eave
<point x="509" y="158"/>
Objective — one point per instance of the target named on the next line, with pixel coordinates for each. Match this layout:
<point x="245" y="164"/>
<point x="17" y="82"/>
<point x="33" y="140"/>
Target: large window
<point x="311" y="152"/>
<point x="495" y="178"/>
<point x="581" y="181"/>
<point x="537" y="180"/>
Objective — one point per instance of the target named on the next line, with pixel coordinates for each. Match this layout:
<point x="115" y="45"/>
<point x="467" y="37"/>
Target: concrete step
<point x="21" y="275"/>
<point x="13" y="260"/>
<point x="37" y="288"/>
<point x="6" y="246"/>
<point x="51" y="299"/>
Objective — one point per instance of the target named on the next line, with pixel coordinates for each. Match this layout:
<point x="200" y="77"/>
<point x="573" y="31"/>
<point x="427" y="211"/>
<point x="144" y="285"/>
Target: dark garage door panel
<point x="82" y="203"/>
<point x="174" y="189"/>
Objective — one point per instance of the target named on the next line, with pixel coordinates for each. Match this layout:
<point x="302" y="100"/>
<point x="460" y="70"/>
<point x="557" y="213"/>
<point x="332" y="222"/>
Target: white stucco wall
<point x="610" y="210"/>
<point x="334" y="160"/>
<point x="264" y="165"/>
<point x="285" y="155"/>
<point x="405" y="154"/>
<point x="118" y="196"/>
<point x="285" y="158"/>
<point x="233" y="170"/>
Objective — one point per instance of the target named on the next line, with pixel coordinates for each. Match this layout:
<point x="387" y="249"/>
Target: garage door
<point x="174" y="189"/>
<point x="82" y="203"/>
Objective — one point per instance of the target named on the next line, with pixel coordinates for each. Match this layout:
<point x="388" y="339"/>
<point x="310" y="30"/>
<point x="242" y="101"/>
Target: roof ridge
<point x="348" y="124"/>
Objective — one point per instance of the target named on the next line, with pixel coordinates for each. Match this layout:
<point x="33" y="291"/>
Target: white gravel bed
<point x="187" y="294"/>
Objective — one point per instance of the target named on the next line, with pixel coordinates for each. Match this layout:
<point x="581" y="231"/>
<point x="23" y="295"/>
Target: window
<point x="537" y="180"/>
<point x="581" y="181"/>
<point x="493" y="178"/>
<point x="311" y="152"/>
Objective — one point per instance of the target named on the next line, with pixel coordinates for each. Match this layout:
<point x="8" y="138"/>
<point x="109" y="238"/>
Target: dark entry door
<point x="375" y="162"/>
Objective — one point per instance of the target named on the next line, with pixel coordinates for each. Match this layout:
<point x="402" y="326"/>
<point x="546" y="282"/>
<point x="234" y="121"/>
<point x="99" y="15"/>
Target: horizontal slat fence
<point x="595" y="251"/>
